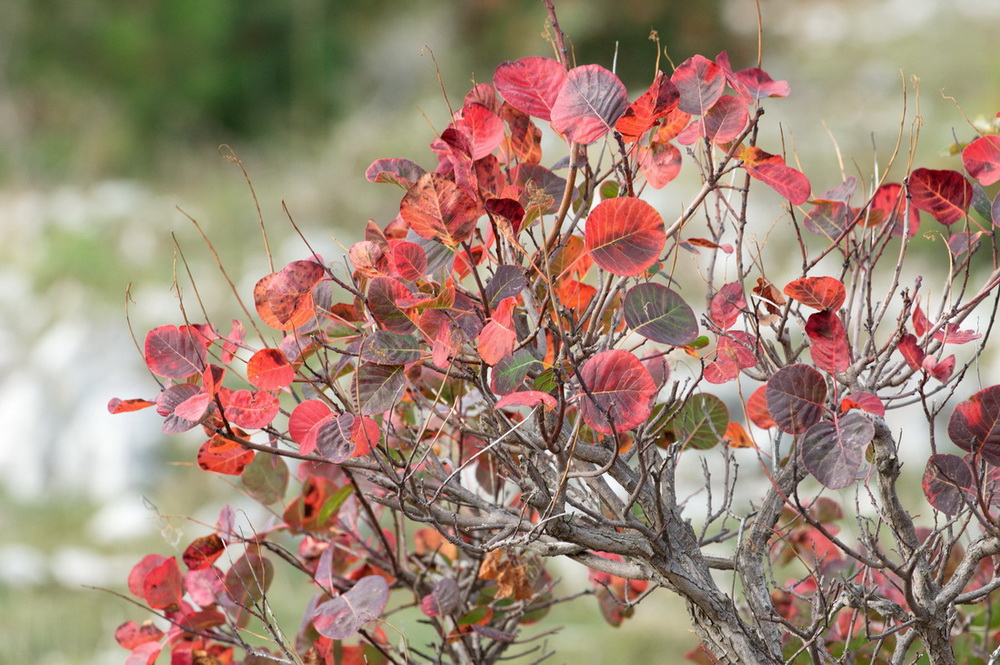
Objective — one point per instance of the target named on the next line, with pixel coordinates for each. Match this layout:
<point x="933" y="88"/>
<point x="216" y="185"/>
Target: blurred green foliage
<point x="102" y="86"/>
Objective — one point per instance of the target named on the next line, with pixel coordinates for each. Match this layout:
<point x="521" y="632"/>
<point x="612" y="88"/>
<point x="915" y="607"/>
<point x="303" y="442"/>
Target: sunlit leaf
<point x="660" y="314"/>
<point x="620" y="390"/>
<point x="727" y="305"/>
<point x="945" y="194"/>
<point x="438" y="209"/>
<point x="409" y="260"/>
<point x="757" y="410"/>
<point x="625" y="235"/>
<point x="591" y="99"/>
<point x="497" y="337"/>
<point x="736" y="351"/>
<point x="284" y="299"/>
<point x="220" y="455"/>
<point x="116" y="405"/>
<point x="163" y="585"/>
<point x="640" y="116"/>
<point x="833" y="451"/>
<point x="251" y="410"/>
<point x="527" y="398"/>
<point x="175" y="352"/>
<point x="820" y="293"/>
<point x="864" y="401"/>
<point x="982" y="159"/>
<point x="482" y="128"/>
<point x="169" y="400"/>
<point x="303" y="421"/>
<point x="829" y="348"/>
<point x="202" y="552"/>
<point x="659" y="163"/>
<point x="401" y="172"/>
<point x="530" y="85"/>
<point x="736" y="436"/>
<point x="700" y="83"/>
<point x="269" y="369"/>
<point x="795" y="396"/>
<point x="889" y="205"/>
<point x="721" y="124"/>
<point x="772" y="171"/>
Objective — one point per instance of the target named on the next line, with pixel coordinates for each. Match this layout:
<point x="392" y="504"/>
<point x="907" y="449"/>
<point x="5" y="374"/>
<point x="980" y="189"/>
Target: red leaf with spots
<point x="251" y="410"/>
<point x="817" y="292"/>
<point x="220" y="455"/>
<point x="269" y="369"/>
<point x="203" y="551"/>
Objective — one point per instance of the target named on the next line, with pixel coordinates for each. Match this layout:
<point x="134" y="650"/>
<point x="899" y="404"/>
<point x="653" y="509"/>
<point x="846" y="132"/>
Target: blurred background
<point x="112" y="115"/>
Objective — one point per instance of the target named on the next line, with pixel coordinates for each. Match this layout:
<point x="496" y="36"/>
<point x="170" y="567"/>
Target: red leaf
<point x="510" y="209"/>
<point x="409" y="261"/>
<point x="163" y="586"/>
<point x="982" y="159"/>
<point x="949" y="483"/>
<point x="303" y="421"/>
<point x="590" y="101"/>
<point x="757" y="409"/>
<point x="220" y="455"/>
<point x="203" y="551"/>
<point x="940" y="370"/>
<point x="951" y="334"/>
<point x="889" y="205"/>
<point x="497" y="337"/>
<point x="137" y="576"/>
<point x="269" y="369"/>
<point x="344" y="615"/>
<point x="384" y="296"/>
<point x="288" y="293"/>
<point x="130" y="634"/>
<point x="912" y="353"/>
<point x="621" y="390"/>
<point x="721" y="124"/>
<point x="817" y="292"/>
<point x="116" y="405"/>
<point x="920" y="324"/>
<point x="525" y="142"/>
<point x="829" y="348"/>
<point x="438" y="209"/>
<point x="640" y="116"/>
<point x="727" y="305"/>
<point x="772" y="171"/>
<point x="400" y="172"/>
<point x="175" y="353"/>
<point x="864" y="401"/>
<point x="365" y="434"/>
<point x="974" y="426"/>
<point x="659" y="163"/>
<point x="172" y="398"/>
<point x="530" y="85"/>
<point x="530" y="398"/>
<point x="700" y="83"/>
<point x="736" y="351"/>
<point x="193" y="408"/>
<point x="251" y="410"/>
<point x="204" y="585"/>
<point x="759" y="84"/>
<point x="736" y="436"/>
<point x="233" y="341"/>
<point x="946" y="194"/>
<point x="482" y="128"/>
<point x="671" y="126"/>
<point x="144" y="654"/>
<point x="624" y="235"/>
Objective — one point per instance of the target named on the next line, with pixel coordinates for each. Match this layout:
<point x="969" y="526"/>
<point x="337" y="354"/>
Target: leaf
<point x="736" y="436"/>
<point x="889" y="206"/>
<point x="948" y="483"/>
<point x="203" y="551"/>
<point x="409" y="260"/>
<point x="497" y="337"/>
<point x="531" y="85"/>
<point x="251" y="410"/>
<point x="442" y="600"/>
<point x="204" y="586"/>
<point x="759" y="84"/>
<point x="249" y="578"/>
<point x="829" y="349"/>
<point x="702" y="422"/>
<point x="624" y="235"/>
<point x="590" y="100"/>
<point x="284" y="299"/>
<point x="757" y="410"/>
<point x="727" y="305"/>
<point x="220" y="455"/>
<point x="116" y="405"/>
<point x="817" y="292"/>
<point x="163" y="585"/>
<point x="303" y="421"/>
<point x="175" y="353"/>
<point x="660" y="314"/>
<point x="438" y="209"/>
<point x="401" y="172"/>
<point x="169" y="400"/>
<point x="266" y="479"/>
<point x="482" y="128"/>
<point x="640" y="116"/>
<point x="982" y="159"/>
<point x="388" y="348"/>
<point x="508" y="209"/>
<point x="864" y="401"/>
<point x="700" y="82"/>
<point x="377" y="388"/>
<point x="510" y="371"/>
<point x="130" y="634"/>
<point x="269" y="369"/>
<point x="334" y="438"/>
<point x="144" y="654"/>
<point x="833" y="451"/>
<point x="344" y="615"/>
<point x="772" y="171"/>
<point x="721" y="124"/>
<point x="525" y="141"/>
<point x="659" y="163"/>
<point x="507" y="282"/>
<point x="384" y="295"/>
<point x="530" y="398"/>
<point x="974" y="426"/>
<point x="736" y="351"/>
<point x="828" y="218"/>
<point x="795" y="396"/>
<point x="621" y="389"/>
<point x="945" y="194"/>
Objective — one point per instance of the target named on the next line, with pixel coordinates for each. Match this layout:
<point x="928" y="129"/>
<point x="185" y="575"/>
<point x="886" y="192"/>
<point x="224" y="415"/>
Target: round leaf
<point x="702" y="422"/>
<point x="621" y="390"/>
<point x="833" y="451"/>
<point x="660" y="314"/>
<point x="795" y="396"/>
<point x="342" y="616"/>
<point x="624" y="235"/>
<point x="590" y="101"/>
<point x="438" y="209"/>
<point x="975" y="425"/>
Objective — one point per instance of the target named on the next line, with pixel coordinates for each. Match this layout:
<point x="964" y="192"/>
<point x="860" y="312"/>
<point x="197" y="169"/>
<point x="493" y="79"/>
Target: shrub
<point x="514" y="369"/>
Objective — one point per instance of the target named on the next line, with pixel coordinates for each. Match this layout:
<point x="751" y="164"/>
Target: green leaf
<point x="660" y="314"/>
<point x="701" y="422"/>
